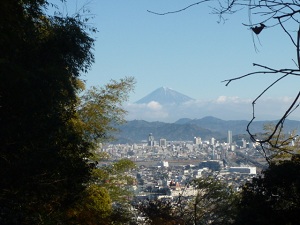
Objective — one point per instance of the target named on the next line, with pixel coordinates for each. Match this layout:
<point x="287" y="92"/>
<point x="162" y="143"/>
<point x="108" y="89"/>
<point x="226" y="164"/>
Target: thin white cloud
<point x="223" y="107"/>
<point x="231" y="99"/>
<point x="153" y="105"/>
<point x="221" y="99"/>
<point x="152" y="111"/>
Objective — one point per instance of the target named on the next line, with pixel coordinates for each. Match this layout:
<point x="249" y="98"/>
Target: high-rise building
<point x="197" y="140"/>
<point x="229" y="137"/>
<point x="244" y="143"/>
<point x="162" y="142"/>
<point x="150" y="140"/>
<point x="212" y="142"/>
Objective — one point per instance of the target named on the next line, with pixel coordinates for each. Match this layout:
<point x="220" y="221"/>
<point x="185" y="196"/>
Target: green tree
<point x="42" y="166"/>
<point x="94" y="207"/>
<point x="160" y="212"/>
<point x="282" y="146"/>
<point x="214" y="203"/>
<point x="116" y="179"/>
<point x="272" y="198"/>
<point x="101" y="111"/>
<point x="48" y="132"/>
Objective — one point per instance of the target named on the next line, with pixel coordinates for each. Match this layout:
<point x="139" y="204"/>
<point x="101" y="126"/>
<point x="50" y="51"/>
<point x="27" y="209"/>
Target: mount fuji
<point x="167" y="105"/>
<point x="164" y="96"/>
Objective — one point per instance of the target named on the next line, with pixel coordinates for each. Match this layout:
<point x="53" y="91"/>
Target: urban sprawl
<point x="164" y="168"/>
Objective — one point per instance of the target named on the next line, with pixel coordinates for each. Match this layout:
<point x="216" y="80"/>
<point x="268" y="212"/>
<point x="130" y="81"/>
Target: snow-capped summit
<point x="164" y="95"/>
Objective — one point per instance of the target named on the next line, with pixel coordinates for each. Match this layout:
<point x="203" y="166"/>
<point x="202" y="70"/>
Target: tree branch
<point x="287" y="33"/>
<point x="177" y="11"/>
<point x="272" y="71"/>
<point x="298" y="39"/>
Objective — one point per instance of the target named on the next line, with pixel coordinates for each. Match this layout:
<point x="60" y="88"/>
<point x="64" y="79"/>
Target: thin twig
<point x="287" y="32"/>
<point x="177" y="11"/>
<point x="298" y="56"/>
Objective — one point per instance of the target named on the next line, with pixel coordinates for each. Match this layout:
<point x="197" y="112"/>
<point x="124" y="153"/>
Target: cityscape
<point x="164" y="168"/>
<point x="80" y="145"/>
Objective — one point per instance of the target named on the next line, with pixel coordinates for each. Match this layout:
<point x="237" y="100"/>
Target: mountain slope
<point x="138" y="130"/>
<point x="238" y="126"/>
<point x="186" y="129"/>
<point x="164" y="95"/>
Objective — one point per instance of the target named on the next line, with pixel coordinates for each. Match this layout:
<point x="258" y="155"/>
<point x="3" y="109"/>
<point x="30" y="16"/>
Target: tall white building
<point x="229" y="137"/>
<point x="212" y="142"/>
<point x="197" y="140"/>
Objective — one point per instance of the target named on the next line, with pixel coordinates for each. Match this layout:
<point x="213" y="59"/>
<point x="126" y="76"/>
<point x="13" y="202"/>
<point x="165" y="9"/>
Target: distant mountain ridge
<point x="237" y="126"/>
<point x="138" y="130"/>
<point x="186" y="129"/>
<point x="216" y="124"/>
<point x="164" y="96"/>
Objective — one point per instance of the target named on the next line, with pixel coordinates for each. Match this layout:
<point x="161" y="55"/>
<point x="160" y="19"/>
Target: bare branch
<point x="266" y="89"/>
<point x="278" y="126"/>
<point x="298" y="53"/>
<point x="180" y="10"/>
<point x="288" y="14"/>
<point x="287" y="33"/>
<point x="271" y="71"/>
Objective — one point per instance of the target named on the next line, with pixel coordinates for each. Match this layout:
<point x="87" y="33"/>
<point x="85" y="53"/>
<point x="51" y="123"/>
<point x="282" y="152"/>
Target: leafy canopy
<point x="47" y="132"/>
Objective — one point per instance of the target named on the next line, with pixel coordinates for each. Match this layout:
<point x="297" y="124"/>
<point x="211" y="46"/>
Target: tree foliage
<point x="42" y="154"/>
<point x="116" y="179"/>
<point x="272" y="198"/>
<point x="94" y="207"/>
<point x="160" y="212"/>
<point x="45" y="135"/>
<point x="214" y="202"/>
<point x="282" y="146"/>
<point x="101" y="109"/>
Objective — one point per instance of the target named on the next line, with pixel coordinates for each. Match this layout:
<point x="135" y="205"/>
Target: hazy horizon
<point x="226" y="108"/>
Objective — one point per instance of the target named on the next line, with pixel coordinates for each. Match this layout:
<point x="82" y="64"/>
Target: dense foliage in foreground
<point x="47" y="133"/>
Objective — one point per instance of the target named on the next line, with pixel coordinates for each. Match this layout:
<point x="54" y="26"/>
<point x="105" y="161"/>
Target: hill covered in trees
<point x="186" y="129"/>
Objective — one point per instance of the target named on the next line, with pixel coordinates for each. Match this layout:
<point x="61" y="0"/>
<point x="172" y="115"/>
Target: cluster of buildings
<point x="165" y="168"/>
<point x="166" y="181"/>
<point x="163" y="150"/>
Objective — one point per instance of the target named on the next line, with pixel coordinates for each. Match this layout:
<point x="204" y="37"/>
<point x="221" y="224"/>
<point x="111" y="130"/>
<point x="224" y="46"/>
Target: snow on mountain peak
<point x="164" y="95"/>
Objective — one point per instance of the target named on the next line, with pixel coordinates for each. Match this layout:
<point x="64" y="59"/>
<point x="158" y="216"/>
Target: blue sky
<point x="189" y="52"/>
